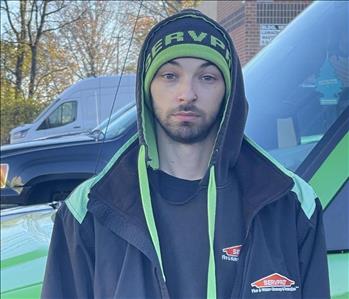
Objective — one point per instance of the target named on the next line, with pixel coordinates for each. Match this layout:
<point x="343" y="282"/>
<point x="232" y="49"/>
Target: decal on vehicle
<point x="231" y="253"/>
<point x="273" y="283"/>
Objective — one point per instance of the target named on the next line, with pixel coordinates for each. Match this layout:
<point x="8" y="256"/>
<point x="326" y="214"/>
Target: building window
<point x="278" y="13"/>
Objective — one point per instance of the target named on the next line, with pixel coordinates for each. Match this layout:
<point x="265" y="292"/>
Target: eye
<point x="208" y="78"/>
<point x="169" y="76"/>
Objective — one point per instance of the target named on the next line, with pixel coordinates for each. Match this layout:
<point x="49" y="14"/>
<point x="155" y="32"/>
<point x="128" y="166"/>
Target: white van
<point x="79" y="108"/>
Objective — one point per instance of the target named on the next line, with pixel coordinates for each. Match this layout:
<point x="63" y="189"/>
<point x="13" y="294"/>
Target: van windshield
<point x="113" y="117"/>
<point x="45" y="109"/>
<point x="120" y="122"/>
<point x="298" y="87"/>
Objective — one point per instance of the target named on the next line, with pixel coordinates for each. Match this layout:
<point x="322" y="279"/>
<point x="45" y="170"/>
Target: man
<point x="189" y="208"/>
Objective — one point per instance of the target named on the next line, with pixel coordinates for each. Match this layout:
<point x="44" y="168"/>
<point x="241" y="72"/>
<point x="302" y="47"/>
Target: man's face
<point x="187" y="94"/>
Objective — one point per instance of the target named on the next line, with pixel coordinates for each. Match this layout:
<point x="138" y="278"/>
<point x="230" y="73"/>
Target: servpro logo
<point x="273" y="283"/>
<point x="190" y="37"/>
<point x="231" y="253"/>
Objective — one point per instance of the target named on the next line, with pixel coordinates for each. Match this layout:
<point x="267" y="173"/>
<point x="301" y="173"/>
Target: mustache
<point x="186" y="108"/>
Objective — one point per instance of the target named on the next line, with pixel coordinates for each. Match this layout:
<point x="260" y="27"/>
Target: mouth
<point x="186" y="115"/>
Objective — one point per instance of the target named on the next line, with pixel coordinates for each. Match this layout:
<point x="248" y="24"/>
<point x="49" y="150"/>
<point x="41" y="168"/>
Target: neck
<point x="185" y="161"/>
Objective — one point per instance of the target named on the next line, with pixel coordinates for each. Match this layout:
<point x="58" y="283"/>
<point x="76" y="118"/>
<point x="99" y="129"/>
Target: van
<point x="79" y="108"/>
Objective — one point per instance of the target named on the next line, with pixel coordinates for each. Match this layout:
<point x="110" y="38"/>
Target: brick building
<point x="252" y="24"/>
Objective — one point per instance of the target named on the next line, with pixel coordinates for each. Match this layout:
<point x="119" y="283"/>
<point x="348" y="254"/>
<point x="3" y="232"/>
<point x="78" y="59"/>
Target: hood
<point x="40" y="143"/>
<point x="228" y="142"/>
<point x="191" y="34"/>
<point x="25" y="237"/>
<point x="21" y="128"/>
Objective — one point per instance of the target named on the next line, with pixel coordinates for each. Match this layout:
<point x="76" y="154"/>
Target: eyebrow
<point x="205" y="64"/>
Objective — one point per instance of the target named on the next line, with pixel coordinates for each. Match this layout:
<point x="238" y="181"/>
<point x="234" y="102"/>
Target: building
<point x="252" y="24"/>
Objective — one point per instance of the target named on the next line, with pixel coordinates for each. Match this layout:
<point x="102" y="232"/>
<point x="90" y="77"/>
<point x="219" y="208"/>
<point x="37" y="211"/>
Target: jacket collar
<point x="115" y="199"/>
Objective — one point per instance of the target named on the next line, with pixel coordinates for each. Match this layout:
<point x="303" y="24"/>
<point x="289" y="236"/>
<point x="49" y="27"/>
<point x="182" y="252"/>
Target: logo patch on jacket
<point x="231" y="253"/>
<point x="273" y="283"/>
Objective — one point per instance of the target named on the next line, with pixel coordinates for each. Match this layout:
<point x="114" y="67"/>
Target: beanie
<point x="187" y="35"/>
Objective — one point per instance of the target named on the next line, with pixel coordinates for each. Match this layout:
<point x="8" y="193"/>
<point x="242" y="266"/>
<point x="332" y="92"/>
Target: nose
<point x="187" y="91"/>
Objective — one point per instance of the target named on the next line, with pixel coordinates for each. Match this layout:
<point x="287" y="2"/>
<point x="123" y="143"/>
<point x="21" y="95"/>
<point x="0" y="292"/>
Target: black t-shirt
<point x="180" y="211"/>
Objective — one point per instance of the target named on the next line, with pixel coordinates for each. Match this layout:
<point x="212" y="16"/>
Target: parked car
<point x="79" y="108"/>
<point x="299" y="114"/>
<point x="48" y="170"/>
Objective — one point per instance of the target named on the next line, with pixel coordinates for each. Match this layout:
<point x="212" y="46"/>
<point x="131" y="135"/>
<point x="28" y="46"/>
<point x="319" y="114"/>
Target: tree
<point x="28" y="21"/>
<point x="26" y="52"/>
<point x="94" y="42"/>
<point x="20" y="34"/>
<point x="151" y="13"/>
<point x="47" y="45"/>
<point x="15" y="109"/>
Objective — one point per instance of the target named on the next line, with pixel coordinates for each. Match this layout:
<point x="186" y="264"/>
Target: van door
<point x="63" y="120"/>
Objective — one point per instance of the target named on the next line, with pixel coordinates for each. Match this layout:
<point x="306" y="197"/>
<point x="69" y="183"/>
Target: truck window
<point x="62" y="115"/>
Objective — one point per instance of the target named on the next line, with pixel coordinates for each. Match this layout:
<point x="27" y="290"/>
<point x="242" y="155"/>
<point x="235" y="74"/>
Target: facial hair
<point x="187" y="132"/>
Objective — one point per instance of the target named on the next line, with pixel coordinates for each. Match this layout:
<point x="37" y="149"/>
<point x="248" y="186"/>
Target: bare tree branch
<point x="7" y="10"/>
<point x="47" y="75"/>
<point x="38" y="13"/>
<point x="42" y="22"/>
<point x="171" y="5"/>
<point x="64" y="24"/>
<point x="165" y="7"/>
<point x="11" y="13"/>
<point x="55" y="11"/>
<point x="151" y="10"/>
<point x="29" y="22"/>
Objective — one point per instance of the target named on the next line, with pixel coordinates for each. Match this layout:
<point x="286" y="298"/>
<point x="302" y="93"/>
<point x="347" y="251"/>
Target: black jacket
<point x="105" y="246"/>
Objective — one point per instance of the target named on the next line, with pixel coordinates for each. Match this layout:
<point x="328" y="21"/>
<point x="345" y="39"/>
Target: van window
<point x="64" y="114"/>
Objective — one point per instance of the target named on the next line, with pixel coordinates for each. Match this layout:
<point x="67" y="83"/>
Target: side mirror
<point x="97" y="135"/>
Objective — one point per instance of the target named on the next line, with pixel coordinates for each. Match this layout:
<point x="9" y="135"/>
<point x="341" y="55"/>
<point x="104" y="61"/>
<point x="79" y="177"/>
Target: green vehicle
<point x="298" y="91"/>
<point x="25" y="236"/>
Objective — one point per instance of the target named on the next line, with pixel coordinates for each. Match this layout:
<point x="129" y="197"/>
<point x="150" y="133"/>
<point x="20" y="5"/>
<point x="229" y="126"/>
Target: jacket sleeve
<point x="313" y="257"/>
<point x="69" y="268"/>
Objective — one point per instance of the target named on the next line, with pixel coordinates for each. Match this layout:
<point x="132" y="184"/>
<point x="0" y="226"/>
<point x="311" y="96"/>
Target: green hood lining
<point x="211" y="212"/>
<point x="147" y="204"/>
